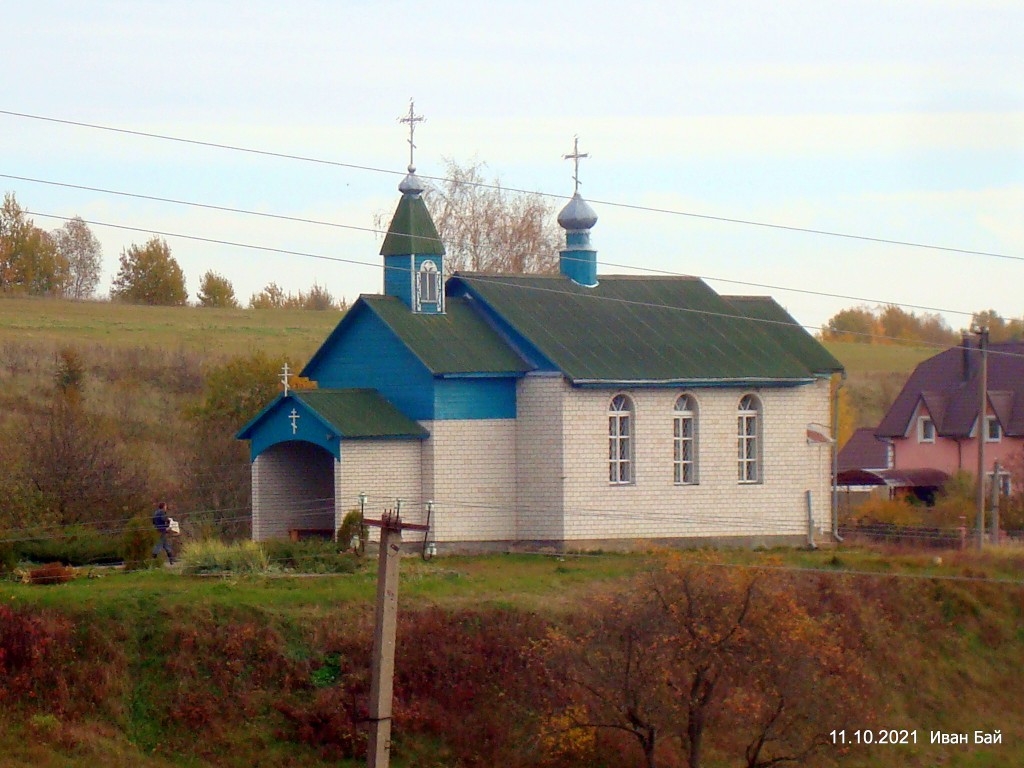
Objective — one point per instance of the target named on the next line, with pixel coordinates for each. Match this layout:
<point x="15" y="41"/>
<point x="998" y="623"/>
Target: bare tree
<point x="486" y="228"/>
<point x="76" y="243"/>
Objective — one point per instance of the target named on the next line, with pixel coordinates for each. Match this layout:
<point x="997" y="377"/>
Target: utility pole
<point x="982" y="333"/>
<point x="382" y="675"/>
<point x="996" y="491"/>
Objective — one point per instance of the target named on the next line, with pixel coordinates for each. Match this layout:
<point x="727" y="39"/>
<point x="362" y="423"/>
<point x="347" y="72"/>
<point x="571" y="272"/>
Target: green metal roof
<point x="638" y="329"/>
<point x="412" y="230"/>
<point x="786" y="332"/>
<point x="359" y="413"/>
<point x="458" y="341"/>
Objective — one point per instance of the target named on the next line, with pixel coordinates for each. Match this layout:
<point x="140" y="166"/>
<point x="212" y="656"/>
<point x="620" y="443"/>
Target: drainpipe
<point x="835" y="459"/>
<point x="810" y="521"/>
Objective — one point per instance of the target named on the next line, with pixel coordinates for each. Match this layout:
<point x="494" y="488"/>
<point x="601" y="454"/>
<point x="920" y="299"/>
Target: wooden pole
<point x="982" y="426"/>
<point x="383" y="663"/>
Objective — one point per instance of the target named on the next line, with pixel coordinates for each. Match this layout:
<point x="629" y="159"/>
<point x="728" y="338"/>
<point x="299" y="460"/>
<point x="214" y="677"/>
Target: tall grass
<point x="214" y="556"/>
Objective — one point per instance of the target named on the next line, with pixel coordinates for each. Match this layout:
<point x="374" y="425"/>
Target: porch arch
<point x="293" y="486"/>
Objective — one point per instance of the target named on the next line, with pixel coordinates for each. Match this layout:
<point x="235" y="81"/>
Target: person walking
<point x="162" y="523"/>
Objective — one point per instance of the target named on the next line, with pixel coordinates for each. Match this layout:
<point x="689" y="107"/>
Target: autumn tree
<point x="271" y="297"/>
<point x="149" y="275"/>
<point x="78" y="246"/>
<point x="701" y="658"/>
<point x="999" y="328"/>
<point x="853" y="324"/>
<point x="485" y="227"/>
<point x="233" y="393"/>
<point x="274" y="297"/>
<point x="215" y="290"/>
<point x="29" y="259"/>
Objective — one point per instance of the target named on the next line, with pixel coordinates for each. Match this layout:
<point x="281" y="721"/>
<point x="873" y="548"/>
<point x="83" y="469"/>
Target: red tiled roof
<point x="948" y="385"/>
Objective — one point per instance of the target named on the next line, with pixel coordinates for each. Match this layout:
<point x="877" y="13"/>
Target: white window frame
<point x="621" y="470"/>
<point x="685" y="435"/>
<point x="993" y="421"/>
<point x="749" y="439"/>
<point x="428" y="284"/>
<point x="921" y="422"/>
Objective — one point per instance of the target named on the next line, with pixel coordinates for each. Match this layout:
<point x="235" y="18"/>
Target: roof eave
<point x="689" y="382"/>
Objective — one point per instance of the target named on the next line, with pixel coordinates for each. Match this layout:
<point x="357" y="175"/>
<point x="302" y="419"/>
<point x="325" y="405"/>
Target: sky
<point x="897" y="121"/>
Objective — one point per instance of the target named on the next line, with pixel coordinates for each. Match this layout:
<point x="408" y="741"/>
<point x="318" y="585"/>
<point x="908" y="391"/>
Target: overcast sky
<point x="901" y="121"/>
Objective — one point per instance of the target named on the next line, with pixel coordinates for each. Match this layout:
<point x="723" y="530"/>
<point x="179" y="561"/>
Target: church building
<point x="574" y="410"/>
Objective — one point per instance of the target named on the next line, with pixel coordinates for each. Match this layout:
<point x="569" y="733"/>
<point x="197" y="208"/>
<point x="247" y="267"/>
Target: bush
<point x="74" y="545"/>
<point x="137" y="543"/>
<point x="351" y="527"/>
<point x="214" y="556"/>
<point x="8" y="554"/>
<point x="310" y="556"/>
<point x="51" y="573"/>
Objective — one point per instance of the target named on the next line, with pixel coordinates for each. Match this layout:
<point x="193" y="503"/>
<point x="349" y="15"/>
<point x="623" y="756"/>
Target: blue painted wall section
<point x="475" y="398"/>
<point x="276" y="426"/>
<point x="397" y="278"/>
<point x="578" y="261"/>
<point x="364" y="352"/>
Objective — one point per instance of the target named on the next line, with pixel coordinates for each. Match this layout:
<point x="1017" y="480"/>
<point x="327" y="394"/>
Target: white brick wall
<point x="469" y="472"/>
<point x="501" y="480"/>
<point x="539" y="458"/>
<point x="293" y="487"/>
<point x="385" y="470"/>
<point x="655" y="507"/>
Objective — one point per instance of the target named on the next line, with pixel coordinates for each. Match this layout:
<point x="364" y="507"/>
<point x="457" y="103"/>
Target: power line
<point x="509" y="280"/>
<point x="610" y="203"/>
<point x="372" y="230"/>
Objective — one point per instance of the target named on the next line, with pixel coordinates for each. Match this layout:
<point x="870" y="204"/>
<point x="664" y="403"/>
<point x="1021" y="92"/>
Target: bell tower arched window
<point x="428" y="284"/>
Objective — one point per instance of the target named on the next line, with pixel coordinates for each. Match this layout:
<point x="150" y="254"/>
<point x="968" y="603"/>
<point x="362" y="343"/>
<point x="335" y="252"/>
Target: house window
<point x="429" y="283"/>
<point x="993" y="430"/>
<point x="748" y="439"/>
<point x="684" y="457"/>
<point x="620" y="440"/>
<point x="925" y="430"/>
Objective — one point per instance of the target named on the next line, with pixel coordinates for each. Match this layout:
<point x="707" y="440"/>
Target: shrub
<point x="214" y="556"/>
<point x="352" y="527"/>
<point x="8" y="554"/>
<point x="74" y="545"/>
<point x="51" y="573"/>
<point x="137" y="543"/>
<point x="309" y="556"/>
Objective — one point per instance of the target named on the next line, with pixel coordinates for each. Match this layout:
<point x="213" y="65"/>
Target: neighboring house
<point x="576" y="409"/>
<point x="865" y="469"/>
<point x="934" y="422"/>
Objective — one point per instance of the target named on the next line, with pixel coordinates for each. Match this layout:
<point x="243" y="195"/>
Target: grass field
<point x="878" y="358"/>
<point x="219" y="332"/>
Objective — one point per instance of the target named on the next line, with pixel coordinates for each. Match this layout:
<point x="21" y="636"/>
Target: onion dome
<point x="577" y="215"/>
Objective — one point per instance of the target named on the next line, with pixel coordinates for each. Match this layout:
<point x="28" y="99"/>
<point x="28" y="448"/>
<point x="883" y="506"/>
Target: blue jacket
<point x="160" y="519"/>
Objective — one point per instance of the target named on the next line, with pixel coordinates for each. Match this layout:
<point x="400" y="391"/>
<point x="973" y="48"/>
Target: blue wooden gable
<point x="363" y="351"/>
<point x="286" y="419"/>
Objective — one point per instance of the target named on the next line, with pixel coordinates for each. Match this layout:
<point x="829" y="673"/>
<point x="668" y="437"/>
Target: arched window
<point x="429" y="283"/>
<point x="684" y="433"/>
<point x="620" y="440"/>
<point x="748" y="439"/>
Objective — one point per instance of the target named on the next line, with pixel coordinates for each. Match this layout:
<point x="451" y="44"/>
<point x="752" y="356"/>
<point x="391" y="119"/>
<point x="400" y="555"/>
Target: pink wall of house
<point x="950" y="455"/>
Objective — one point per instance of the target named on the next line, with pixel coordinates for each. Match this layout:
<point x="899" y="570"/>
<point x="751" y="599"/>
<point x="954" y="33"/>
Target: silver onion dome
<point x="577" y="214"/>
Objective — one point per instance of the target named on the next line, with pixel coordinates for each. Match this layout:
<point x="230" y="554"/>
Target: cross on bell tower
<point x="576" y="156"/>
<point x="411" y="119"/>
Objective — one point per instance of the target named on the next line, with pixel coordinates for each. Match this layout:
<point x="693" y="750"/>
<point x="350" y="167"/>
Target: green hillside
<point x="878" y="358"/>
<point x="218" y="332"/>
